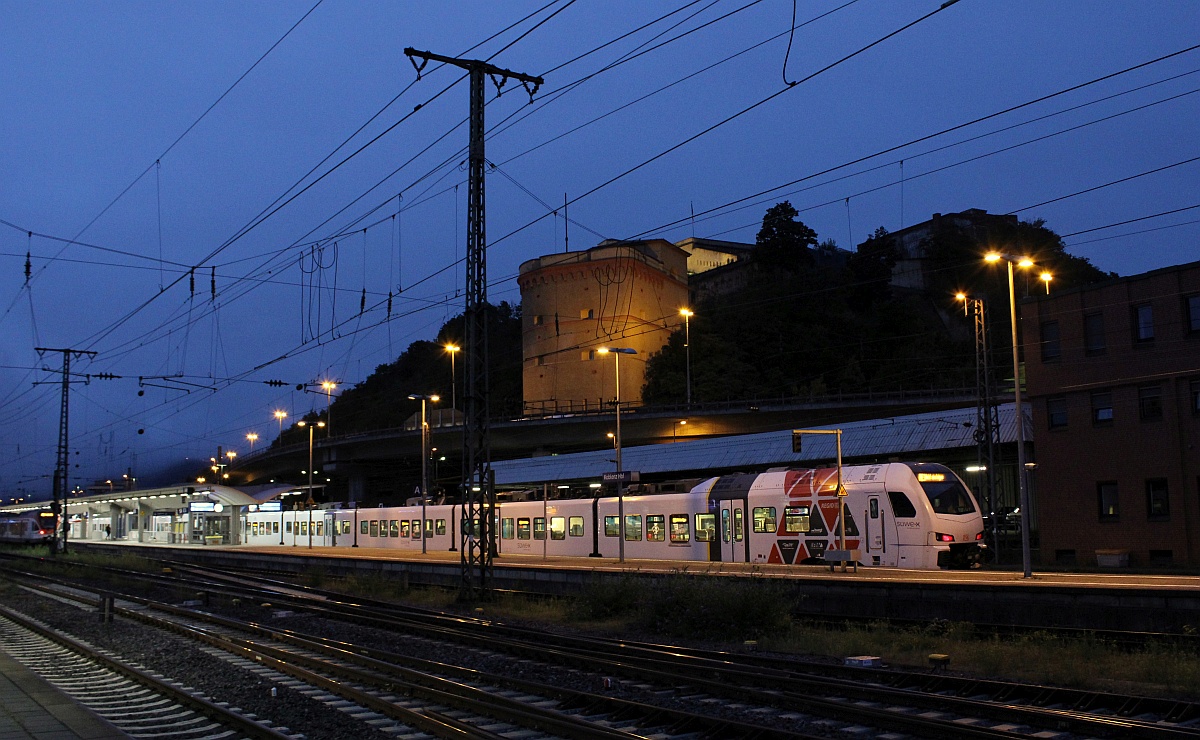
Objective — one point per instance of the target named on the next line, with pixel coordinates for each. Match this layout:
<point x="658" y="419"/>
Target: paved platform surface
<point x="32" y="708"/>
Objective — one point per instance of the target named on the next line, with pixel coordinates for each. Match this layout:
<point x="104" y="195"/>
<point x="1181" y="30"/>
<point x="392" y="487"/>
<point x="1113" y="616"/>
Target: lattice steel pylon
<point x="479" y="495"/>
<point x="987" y="414"/>
<point x="62" y="465"/>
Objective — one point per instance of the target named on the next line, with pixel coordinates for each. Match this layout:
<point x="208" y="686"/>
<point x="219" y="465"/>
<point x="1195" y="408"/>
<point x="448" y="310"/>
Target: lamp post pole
<point x="280" y="416"/>
<point x="328" y="386"/>
<point x="616" y="352"/>
<point x="424" y="460"/>
<point x="451" y="349"/>
<point x="309" y="504"/>
<point x="687" y="349"/>
<point x="1022" y="487"/>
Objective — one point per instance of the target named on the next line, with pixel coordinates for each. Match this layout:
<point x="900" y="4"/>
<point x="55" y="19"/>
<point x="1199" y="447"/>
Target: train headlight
<point x="939" y="537"/>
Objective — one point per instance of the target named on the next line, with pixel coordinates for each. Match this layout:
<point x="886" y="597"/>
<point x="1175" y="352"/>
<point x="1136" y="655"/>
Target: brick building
<point x="1113" y="375"/>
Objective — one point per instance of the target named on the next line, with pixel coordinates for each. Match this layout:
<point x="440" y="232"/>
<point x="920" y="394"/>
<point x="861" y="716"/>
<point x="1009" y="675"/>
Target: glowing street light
<point x="451" y="349"/>
<point x="252" y="437"/>
<point x="309" y="504"/>
<point x="424" y="459"/>
<point x="616" y="352"/>
<point x="328" y="386"/>
<point x="1026" y="263"/>
<point x="280" y="415"/>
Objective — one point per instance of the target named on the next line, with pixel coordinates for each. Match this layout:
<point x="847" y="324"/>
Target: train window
<point x="796" y="519"/>
<point x="739" y="526"/>
<point x="948" y="496"/>
<point x="610" y="526"/>
<point x="375" y="528"/>
<point x="656" y="527"/>
<point x="346" y="527"/>
<point x="874" y="508"/>
<point x="288" y="528"/>
<point x="680" y="533"/>
<point x="303" y="529"/>
<point x="764" y="518"/>
<point x="725" y="525"/>
<point x="576" y="526"/>
<point x="318" y="528"/>
<point x="506" y="528"/>
<point x="416" y="529"/>
<point x="364" y="527"/>
<point x="706" y="528"/>
<point x="275" y="527"/>
<point x="395" y="527"/>
<point x="558" y="528"/>
<point x="523" y="528"/>
<point x="428" y="528"/>
<point x="633" y="527"/>
<point x="902" y="507"/>
<point x="439" y="527"/>
<point x="539" y="527"/>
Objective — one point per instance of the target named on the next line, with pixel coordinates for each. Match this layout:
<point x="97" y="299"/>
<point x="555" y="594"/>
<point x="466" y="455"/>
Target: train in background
<point x="28" y="528"/>
<point x="907" y="515"/>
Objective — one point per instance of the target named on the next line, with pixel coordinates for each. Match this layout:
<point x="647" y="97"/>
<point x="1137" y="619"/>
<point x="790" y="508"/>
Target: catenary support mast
<point x="479" y="496"/>
<point x="62" y="466"/>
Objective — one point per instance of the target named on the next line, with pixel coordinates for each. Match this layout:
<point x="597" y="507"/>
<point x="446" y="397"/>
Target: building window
<point x="587" y="354"/>
<point x="1056" y="413"/>
<point x="587" y="314"/>
<point x="1158" y="505"/>
<point x="1106" y="493"/>
<point x="1192" y="309"/>
<point x="541" y="359"/>
<point x="1093" y="334"/>
<point x="1051" y="344"/>
<point x="1143" y="323"/>
<point x="1150" y="406"/>
<point x="1102" y="407"/>
<point x="1195" y="397"/>
<point x="537" y="320"/>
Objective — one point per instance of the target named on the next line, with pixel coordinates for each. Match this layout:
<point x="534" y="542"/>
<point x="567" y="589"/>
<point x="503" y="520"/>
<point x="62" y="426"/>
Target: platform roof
<point x="170" y="497"/>
<point x="905" y="436"/>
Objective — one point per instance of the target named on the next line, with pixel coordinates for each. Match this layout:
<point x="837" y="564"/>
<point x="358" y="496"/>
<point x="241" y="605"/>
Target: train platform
<point x="33" y="709"/>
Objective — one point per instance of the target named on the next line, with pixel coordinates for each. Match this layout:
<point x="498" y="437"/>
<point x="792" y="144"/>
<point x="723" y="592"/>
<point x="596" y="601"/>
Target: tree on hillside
<point x="783" y="241"/>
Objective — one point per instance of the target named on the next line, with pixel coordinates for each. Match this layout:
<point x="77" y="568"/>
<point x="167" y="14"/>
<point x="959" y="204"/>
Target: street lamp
<point x="1024" y="262"/>
<point x="424" y="458"/>
<point x="280" y="415"/>
<point x="687" y="314"/>
<point x="616" y="352"/>
<point x="253" y="437"/>
<point x="328" y="386"/>
<point x="309" y="504"/>
<point x="675" y="427"/>
<point x="451" y="349"/>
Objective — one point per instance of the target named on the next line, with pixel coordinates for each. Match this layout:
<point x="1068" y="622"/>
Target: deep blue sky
<point x="94" y="93"/>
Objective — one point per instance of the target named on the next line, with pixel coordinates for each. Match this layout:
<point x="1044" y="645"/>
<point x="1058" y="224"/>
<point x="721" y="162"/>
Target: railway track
<point x="137" y="702"/>
<point x="781" y="692"/>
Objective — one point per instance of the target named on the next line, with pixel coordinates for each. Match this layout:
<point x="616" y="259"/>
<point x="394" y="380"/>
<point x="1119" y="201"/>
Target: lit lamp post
<point x="616" y="352"/>
<point x="451" y="349"/>
<point x="309" y="504"/>
<point x="252" y="437"/>
<point x="424" y="458"/>
<point x="280" y="416"/>
<point x="687" y="314"/>
<point x="328" y="386"/>
<point x="1023" y="489"/>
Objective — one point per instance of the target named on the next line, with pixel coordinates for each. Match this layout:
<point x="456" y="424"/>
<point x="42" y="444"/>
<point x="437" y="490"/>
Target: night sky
<point x="155" y="149"/>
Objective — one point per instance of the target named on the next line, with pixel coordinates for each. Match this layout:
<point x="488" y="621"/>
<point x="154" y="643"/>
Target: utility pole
<point x="62" y="467"/>
<point x="479" y="495"/>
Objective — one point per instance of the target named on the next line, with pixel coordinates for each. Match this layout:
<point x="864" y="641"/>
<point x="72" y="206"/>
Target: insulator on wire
<point x="362" y="303"/>
<point x="213" y="284"/>
<point x="28" y="267"/>
<point x="192" y="281"/>
<point x="389" y="304"/>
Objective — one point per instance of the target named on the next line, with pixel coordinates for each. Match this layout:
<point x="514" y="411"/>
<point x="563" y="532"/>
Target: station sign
<point x="625" y="476"/>
<point x="202" y="506"/>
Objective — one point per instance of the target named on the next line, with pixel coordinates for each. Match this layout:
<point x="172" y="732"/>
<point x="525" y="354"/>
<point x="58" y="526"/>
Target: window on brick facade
<point x="1150" y="406"/>
<point x="1158" y="505"/>
<point x="1106" y="495"/>
<point x="1051" y="343"/>
<point x="1143" y="323"/>
<point x="1102" y="407"/>
<point x="587" y="313"/>
<point x="1056" y="413"/>
<point x="537" y="320"/>
<point x="1191" y="306"/>
<point x="1093" y="334"/>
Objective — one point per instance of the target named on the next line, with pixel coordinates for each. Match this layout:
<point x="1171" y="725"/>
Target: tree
<point x="783" y="241"/>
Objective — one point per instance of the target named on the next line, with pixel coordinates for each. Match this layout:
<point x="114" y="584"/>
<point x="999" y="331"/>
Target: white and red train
<point x="908" y="515"/>
<point x="28" y="528"/>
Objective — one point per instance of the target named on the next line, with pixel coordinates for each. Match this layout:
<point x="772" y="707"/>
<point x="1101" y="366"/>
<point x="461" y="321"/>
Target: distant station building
<point x="617" y="294"/>
<point x="1113" y="373"/>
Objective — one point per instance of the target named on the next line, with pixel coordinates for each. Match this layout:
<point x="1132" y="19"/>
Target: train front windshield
<point x="945" y="491"/>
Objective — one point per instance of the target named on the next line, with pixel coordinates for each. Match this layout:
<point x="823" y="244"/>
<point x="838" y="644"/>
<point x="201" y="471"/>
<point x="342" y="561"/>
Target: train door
<point x="879" y="536"/>
<point x="330" y="535"/>
<point x="734" y="546"/>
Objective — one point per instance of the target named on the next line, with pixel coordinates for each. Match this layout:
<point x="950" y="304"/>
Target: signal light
<point x="979" y="536"/>
<point x="943" y="537"/>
